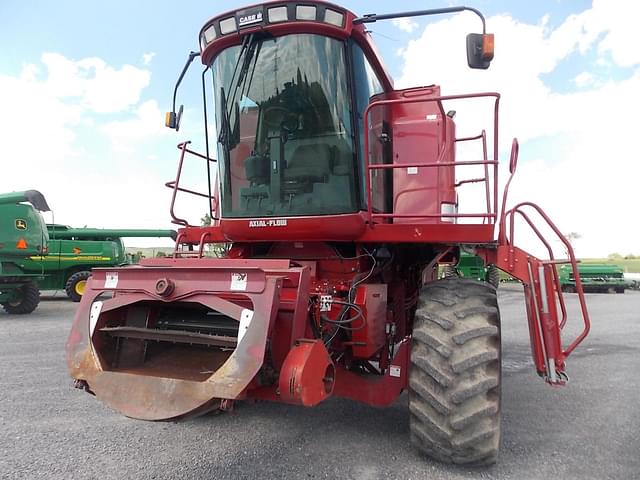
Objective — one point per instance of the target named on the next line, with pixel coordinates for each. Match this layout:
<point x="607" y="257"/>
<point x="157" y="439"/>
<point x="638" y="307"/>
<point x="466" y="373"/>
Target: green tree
<point x="205" y="221"/>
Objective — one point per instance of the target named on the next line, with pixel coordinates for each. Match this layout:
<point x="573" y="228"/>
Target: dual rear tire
<point x="454" y="380"/>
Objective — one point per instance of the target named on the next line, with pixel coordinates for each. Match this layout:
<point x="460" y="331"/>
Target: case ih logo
<point x="249" y="18"/>
<point x="21" y="224"/>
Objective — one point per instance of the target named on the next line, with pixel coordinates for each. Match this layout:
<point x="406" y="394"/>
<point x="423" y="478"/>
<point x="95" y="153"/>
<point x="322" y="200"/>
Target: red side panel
<point x="422" y="133"/>
<point x="369" y="340"/>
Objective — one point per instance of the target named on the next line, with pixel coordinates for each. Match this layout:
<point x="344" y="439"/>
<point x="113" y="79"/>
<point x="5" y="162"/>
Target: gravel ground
<point x="588" y="429"/>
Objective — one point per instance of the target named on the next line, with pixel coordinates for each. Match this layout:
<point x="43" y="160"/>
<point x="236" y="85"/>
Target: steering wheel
<point x="279" y="117"/>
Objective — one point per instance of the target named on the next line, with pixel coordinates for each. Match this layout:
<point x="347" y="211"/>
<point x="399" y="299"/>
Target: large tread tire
<point x="29" y="300"/>
<point x="493" y="276"/>
<point x="75" y="285"/>
<point x="454" y="380"/>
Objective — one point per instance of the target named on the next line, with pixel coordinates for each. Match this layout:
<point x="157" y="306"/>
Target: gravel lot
<point x="589" y="429"/>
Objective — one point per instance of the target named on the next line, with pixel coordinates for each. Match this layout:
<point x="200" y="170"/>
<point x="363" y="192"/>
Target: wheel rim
<point x="80" y="286"/>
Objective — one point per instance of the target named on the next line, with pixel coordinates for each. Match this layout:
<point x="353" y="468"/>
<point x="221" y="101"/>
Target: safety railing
<point x="544" y="291"/>
<point x="509" y="237"/>
<point x="485" y="179"/>
<point x="410" y="97"/>
<point x="191" y="252"/>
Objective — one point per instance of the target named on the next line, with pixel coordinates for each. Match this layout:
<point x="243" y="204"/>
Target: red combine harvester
<point x="336" y="196"/>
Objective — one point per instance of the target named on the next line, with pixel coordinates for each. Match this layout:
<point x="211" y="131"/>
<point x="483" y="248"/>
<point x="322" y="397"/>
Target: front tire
<point x="493" y="276"/>
<point x="28" y="302"/>
<point x="454" y="381"/>
<point x="449" y="271"/>
<point x="76" y="284"/>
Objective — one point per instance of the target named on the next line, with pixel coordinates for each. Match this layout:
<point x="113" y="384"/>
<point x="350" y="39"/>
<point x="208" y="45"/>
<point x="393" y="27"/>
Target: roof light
<point x="210" y="34"/>
<point x="228" y="25"/>
<point x="305" y="12"/>
<point x="333" y="17"/>
<point x="277" y="14"/>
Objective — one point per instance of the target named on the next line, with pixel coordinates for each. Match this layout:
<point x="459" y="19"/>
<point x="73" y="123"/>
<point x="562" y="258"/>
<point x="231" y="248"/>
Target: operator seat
<point x="256" y="169"/>
<point x="309" y="163"/>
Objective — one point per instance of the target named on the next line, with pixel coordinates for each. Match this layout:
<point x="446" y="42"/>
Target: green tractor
<point x="472" y="266"/>
<point x="23" y="234"/>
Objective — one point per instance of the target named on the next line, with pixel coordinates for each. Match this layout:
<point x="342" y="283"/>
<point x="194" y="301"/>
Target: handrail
<point x="177" y="220"/>
<point x="203" y="238"/>
<point x="490" y="215"/>
<point x="175" y="184"/>
<point x="483" y="136"/>
<point x="556" y="278"/>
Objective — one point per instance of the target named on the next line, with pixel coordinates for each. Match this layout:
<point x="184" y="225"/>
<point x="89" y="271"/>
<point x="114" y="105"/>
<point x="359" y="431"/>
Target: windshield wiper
<point x="241" y="83"/>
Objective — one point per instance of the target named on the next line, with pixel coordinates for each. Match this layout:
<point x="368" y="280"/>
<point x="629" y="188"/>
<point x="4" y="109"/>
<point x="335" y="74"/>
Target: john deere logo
<point x="21" y="224"/>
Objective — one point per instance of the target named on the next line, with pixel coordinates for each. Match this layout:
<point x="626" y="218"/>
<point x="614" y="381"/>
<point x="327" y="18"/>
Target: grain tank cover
<point x="99" y="234"/>
<point x="34" y="197"/>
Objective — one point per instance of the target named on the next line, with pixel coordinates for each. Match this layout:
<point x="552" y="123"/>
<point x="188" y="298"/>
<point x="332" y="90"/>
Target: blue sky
<point x="84" y="86"/>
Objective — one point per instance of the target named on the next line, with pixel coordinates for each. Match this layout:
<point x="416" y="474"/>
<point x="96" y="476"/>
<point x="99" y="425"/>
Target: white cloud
<point x="584" y="79"/>
<point x="98" y="87"/>
<point x="58" y="117"/>
<point x="405" y="24"/>
<point x="581" y="171"/>
<point x="146" y="124"/>
<point x="147" y="57"/>
<point x="616" y="20"/>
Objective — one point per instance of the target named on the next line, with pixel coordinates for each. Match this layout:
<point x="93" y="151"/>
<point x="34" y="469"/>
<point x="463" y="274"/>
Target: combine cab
<point x="336" y="198"/>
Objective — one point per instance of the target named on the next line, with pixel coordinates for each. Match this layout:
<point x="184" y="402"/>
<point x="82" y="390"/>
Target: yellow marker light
<point x="170" y="120"/>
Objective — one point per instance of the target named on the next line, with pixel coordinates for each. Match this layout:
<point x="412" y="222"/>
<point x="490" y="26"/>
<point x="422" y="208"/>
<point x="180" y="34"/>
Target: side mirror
<point x="480" y="50"/>
<point x="172" y="119"/>
<point x="513" y="161"/>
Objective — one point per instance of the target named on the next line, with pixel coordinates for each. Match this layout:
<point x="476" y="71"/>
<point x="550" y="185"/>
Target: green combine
<point x="23" y="234"/>
<point x="595" y="277"/>
<point x="35" y="256"/>
<point x="73" y="252"/>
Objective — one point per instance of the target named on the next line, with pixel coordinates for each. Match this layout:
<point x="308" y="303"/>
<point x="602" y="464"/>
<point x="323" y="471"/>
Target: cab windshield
<point x="285" y="138"/>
